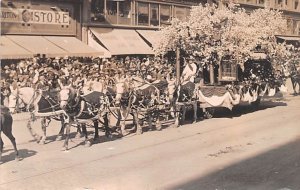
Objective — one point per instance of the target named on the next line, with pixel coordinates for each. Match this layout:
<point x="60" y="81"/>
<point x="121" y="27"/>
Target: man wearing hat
<point x="189" y="71"/>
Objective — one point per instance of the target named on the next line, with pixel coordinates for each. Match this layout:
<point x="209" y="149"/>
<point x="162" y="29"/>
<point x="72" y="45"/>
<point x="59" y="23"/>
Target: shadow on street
<point x="273" y="170"/>
<point x="23" y="153"/>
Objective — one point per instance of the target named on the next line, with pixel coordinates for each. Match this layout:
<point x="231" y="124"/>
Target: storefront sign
<point x="34" y="16"/>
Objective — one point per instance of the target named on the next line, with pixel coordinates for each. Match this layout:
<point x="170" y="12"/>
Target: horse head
<point x="122" y="87"/>
<point x="21" y="97"/>
<point x="68" y="96"/>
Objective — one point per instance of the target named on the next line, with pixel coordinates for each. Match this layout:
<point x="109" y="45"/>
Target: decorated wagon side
<point x="235" y="85"/>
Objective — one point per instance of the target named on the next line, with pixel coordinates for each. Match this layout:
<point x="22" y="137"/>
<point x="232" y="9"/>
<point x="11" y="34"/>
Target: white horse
<point x="43" y="106"/>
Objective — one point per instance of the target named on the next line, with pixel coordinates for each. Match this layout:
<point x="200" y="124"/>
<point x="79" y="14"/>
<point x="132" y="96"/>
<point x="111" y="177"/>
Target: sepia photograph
<point x="150" y="95"/>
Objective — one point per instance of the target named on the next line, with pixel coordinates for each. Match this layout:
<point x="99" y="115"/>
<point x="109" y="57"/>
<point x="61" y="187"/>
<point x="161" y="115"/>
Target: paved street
<point x="243" y="149"/>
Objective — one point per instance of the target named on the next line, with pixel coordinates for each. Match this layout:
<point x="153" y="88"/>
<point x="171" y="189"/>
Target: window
<point x="97" y="11"/>
<point x="143" y="14"/>
<point x="111" y="11"/>
<point x="165" y="14"/>
<point x="261" y="2"/>
<point x="279" y="3"/>
<point x="295" y="27"/>
<point x="289" y="25"/>
<point x="251" y="1"/>
<point x="124" y="12"/>
<point x="180" y="13"/>
<point x="154" y="19"/>
<point x="296" y="5"/>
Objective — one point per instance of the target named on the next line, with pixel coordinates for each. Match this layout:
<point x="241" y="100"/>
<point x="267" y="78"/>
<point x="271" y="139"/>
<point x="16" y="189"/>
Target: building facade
<point x="125" y="27"/>
<point x="42" y="28"/>
<point x="290" y="9"/>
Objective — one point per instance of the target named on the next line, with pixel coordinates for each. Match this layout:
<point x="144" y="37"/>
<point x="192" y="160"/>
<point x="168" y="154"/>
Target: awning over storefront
<point x="50" y="46"/>
<point x="150" y="35"/>
<point x="38" y="45"/>
<point x="92" y="42"/>
<point x="10" y="50"/>
<point x="121" y="41"/>
<point x="74" y="47"/>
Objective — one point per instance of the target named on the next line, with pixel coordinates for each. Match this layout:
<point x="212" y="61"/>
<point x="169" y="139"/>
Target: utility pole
<point x="211" y="74"/>
<point x="178" y="63"/>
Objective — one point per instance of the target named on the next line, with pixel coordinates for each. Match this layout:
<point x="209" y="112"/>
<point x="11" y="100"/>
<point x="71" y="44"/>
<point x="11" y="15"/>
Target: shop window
<point x="111" y="11"/>
<point x="180" y="13"/>
<point x="154" y="19"/>
<point x="97" y="11"/>
<point x="165" y="14"/>
<point x="143" y="13"/>
<point x="124" y="12"/>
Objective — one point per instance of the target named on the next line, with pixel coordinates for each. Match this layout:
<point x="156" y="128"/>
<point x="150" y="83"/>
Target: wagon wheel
<point x="209" y="112"/>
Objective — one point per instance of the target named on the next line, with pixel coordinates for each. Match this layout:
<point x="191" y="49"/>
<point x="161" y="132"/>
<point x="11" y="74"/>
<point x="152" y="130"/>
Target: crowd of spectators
<point x="49" y="73"/>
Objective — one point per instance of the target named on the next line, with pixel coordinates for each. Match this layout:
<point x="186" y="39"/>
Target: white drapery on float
<point x="219" y="101"/>
<point x="228" y="100"/>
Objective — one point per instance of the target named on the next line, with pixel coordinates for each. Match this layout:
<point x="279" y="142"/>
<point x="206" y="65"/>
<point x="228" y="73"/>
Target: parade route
<point x="239" y="150"/>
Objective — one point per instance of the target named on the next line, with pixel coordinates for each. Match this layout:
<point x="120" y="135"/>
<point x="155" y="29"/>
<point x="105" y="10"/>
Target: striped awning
<point x="74" y="47"/>
<point x="122" y="41"/>
<point x="150" y="36"/>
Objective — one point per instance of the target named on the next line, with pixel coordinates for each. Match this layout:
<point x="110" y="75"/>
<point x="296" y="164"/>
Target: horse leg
<point x="195" y="111"/>
<point x="158" y="123"/>
<point x="36" y="137"/>
<point x="1" y="146"/>
<point x="62" y="128"/>
<point x="183" y="114"/>
<point x="8" y="133"/>
<point x="123" y="129"/>
<point x="139" y="129"/>
<point x="294" y="84"/>
<point x="87" y="143"/>
<point x="176" y="116"/>
<point x="106" y="125"/>
<point x="119" y="119"/>
<point x="122" y="119"/>
<point x="150" y="122"/>
<point x="96" y="126"/>
<point x="66" y="143"/>
<point x="78" y="133"/>
<point x="43" y="123"/>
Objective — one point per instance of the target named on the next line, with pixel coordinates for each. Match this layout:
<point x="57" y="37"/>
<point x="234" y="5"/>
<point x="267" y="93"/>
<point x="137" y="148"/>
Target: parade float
<point x="237" y="54"/>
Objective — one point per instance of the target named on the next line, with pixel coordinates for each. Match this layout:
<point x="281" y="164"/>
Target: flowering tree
<point x="213" y="32"/>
